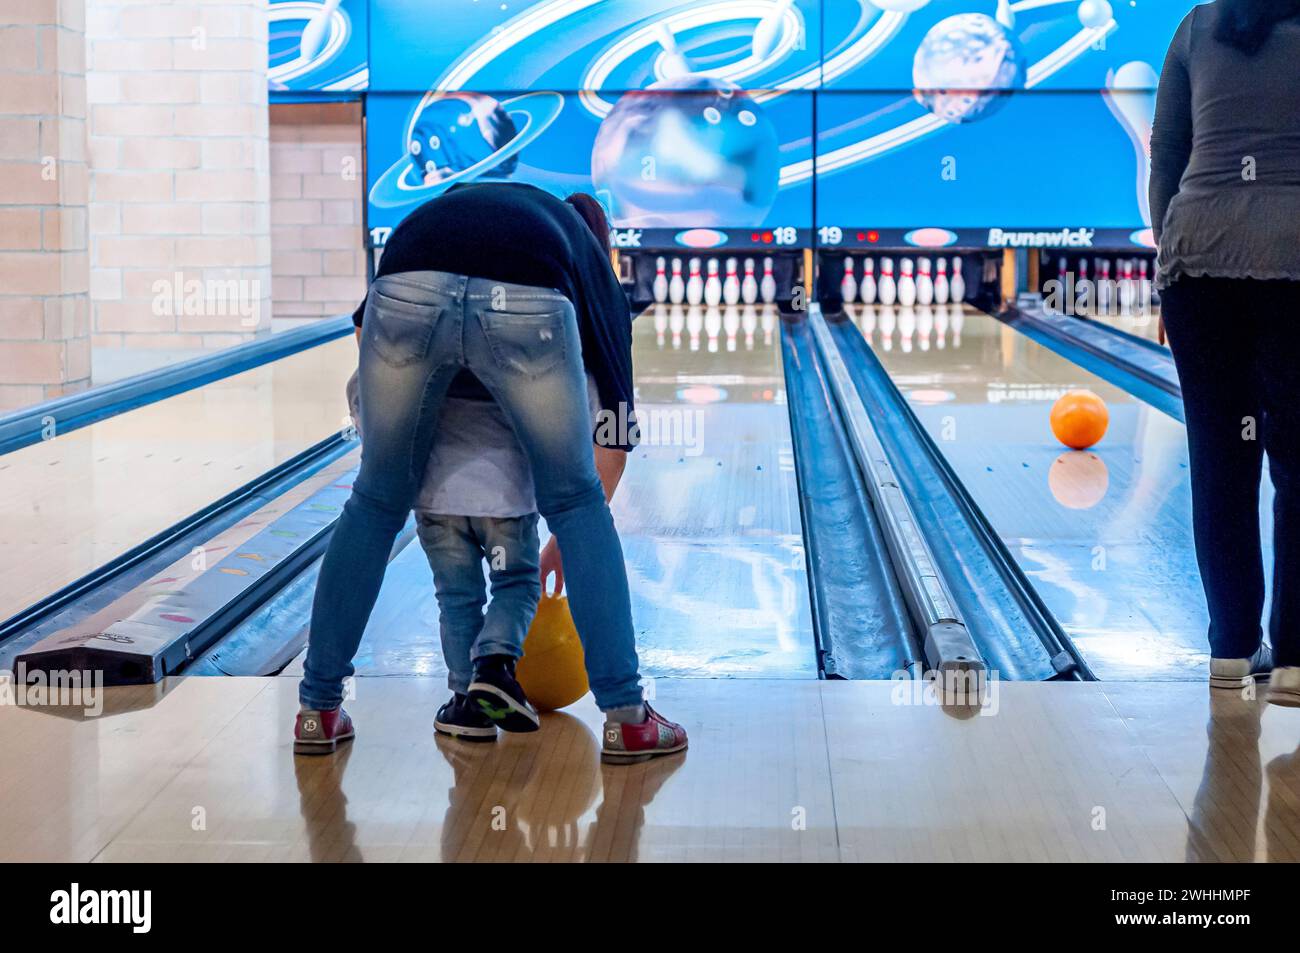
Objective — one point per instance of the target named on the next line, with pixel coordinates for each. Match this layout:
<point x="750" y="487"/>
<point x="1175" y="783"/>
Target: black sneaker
<point x="460" y="719"/>
<point x="495" y="693"/>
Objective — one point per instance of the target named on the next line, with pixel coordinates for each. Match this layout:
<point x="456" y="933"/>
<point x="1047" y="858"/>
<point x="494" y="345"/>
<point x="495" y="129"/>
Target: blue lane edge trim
<point x="24" y="427"/>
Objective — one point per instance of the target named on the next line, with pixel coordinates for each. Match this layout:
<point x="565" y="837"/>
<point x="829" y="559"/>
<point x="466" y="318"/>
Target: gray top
<point x="1225" y="155"/>
<point x="476" y="467"/>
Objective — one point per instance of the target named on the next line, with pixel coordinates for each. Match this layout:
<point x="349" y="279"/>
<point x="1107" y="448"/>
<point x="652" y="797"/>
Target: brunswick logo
<point x="102" y="907"/>
<point x="1065" y="238"/>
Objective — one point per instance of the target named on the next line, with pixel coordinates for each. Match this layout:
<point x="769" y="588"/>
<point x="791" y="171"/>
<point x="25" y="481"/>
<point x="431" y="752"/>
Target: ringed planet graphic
<point x="398" y="186"/>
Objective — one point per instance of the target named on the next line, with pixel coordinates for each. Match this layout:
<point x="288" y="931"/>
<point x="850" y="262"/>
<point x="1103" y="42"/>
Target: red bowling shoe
<point x="629" y="742"/>
<point x="319" y="732"/>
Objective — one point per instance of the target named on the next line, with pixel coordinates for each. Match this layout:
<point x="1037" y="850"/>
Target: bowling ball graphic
<point x="1079" y="419"/>
<point x="553" y="670"/>
<point x="691" y="151"/>
<point x="966" y="68"/>
<point x="455" y="131"/>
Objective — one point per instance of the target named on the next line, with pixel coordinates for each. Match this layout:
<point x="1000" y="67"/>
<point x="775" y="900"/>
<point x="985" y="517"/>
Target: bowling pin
<point x="660" y="287"/>
<point x="767" y="288"/>
<point x="1130" y="93"/>
<point x="676" y="286"/>
<point x="1144" y="286"/>
<point x="673" y="65"/>
<point x="1104" y="287"/>
<point x="888" y="316"/>
<point x="749" y="287"/>
<point x="942" y="289"/>
<point x="907" y="286"/>
<point x="712" y="325"/>
<point x="713" y="285"/>
<point x="868" y="289"/>
<point x="1083" y="288"/>
<point x="694" y="322"/>
<point x="848" y="284"/>
<point x="1126" y="289"/>
<point x="768" y="30"/>
<point x="925" y="285"/>
<point x="695" y="284"/>
<point x="958" y="284"/>
<point x="906" y="327"/>
<point x="731" y="287"/>
<point x="317" y="30"/>
<point x="888" y="288"/>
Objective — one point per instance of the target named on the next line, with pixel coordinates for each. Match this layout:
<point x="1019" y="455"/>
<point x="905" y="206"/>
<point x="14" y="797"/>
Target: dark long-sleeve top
<point x="1225" y="155"/>
<point x="517" y="233"/>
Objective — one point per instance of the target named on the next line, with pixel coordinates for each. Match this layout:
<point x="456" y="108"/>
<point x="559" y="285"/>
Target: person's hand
<point x="550" y="563"/>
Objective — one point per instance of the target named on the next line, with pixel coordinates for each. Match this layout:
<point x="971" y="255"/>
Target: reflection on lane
<point x="708" y="514"/>
<point x="1104" y="535"/>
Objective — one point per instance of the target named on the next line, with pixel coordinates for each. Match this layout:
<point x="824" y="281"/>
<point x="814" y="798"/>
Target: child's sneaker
<point x="628" y="742"/>
<point x="460" y="720"/>
<point x="319" y="732"/>
<point x="496" y="694"/>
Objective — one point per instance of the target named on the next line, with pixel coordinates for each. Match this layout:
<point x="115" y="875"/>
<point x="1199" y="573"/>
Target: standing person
<point x="508" y="286"/>
<point x="1225" y="202"/>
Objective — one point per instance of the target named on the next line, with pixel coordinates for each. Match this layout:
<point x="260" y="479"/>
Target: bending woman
<point x="506" y="287"/>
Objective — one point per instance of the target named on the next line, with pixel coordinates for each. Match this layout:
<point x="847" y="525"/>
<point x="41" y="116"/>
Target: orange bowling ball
<point x="553" y="670"/>
<point x="1080" y="419"/>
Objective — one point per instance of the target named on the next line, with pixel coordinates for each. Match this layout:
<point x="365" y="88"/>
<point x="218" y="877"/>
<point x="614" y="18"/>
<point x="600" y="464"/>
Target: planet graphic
<point x="460" y="137"/>
<point x="691" y="150"/>
<point x="966" y="68"/>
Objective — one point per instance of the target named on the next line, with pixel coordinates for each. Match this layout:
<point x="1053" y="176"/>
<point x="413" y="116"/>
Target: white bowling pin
<point x="660" y="287"/>
<point x="1130" y="93"/>
<point x="1083" y="287"/>
<point x="695" y="284"/>
<point x="888" y="288"/>
<point x="958" y="284"/>
<point x="848" y="284"/>
<point x="768" y="30"/>
<point x="767" y="287"/>
<point x="713" y="285"/>
<point x="749" y="286"/>
<point x="907" y="284"/>
<point x="731" y="324"/>
<point x="317" y="30"/>
<point x="1144" y="286"/>
<point x="731" y="286"/>
<point x="942" y="290"/>
<point x="1126" y="289"/>
<point x="676" y="286"/>
<point x="925" y="287"/>
<point x="868" y="290"/>
<point x="1104" y="287"/>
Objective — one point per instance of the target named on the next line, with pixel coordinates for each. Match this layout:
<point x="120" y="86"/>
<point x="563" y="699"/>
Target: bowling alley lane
<point x="77" y="501"/>
<point x="708" y="513"/>
<point x="1104" y="535"/>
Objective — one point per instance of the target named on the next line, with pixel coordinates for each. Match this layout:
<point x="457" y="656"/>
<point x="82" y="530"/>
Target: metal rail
<point x="949" y="648"/>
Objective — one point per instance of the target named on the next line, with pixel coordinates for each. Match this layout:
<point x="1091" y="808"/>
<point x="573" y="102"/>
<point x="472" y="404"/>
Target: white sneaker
<point x="1284" y="686"/>
<point x="1235" y="672"/>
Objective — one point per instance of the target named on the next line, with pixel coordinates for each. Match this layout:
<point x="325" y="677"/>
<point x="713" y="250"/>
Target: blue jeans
<point x="456" y="547"/>
<point x="522" y="343"/>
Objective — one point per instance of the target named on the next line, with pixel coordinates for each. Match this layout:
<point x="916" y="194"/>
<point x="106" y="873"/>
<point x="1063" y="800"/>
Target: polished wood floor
<point x="779" y="770"/>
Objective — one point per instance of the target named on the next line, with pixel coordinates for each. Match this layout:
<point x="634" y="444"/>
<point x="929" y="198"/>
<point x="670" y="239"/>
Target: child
<point x="476" y="502"/>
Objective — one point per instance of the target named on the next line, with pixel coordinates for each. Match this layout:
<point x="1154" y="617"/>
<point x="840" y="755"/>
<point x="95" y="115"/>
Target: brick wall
<point x="317" y="248"/>
<point x="180" y="248"/>
<point x="44" y="314"/>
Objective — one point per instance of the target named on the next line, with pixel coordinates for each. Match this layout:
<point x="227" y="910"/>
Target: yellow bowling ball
<point x="553" y="671"/>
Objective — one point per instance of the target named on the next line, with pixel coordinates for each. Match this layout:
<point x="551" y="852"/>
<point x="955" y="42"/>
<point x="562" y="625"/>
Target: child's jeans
<point x="456" y="547"/>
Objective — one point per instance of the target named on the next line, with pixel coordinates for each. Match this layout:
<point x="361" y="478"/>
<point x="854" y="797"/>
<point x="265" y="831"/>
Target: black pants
<point x="1237" y="347"/>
